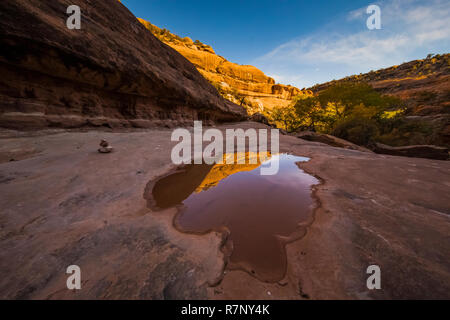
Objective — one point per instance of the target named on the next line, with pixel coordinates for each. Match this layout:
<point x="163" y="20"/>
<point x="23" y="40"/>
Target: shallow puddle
<point x="259" y="213"/>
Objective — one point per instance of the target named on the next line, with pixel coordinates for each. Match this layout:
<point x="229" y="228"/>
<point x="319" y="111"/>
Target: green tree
<point x="351" y="110"/>
<point x="310" y="112"/>
<point x="352" y="94"/>
<point x="286" y="116"/>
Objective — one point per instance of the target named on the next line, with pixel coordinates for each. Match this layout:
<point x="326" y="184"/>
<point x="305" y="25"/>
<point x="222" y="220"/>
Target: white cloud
<point x="356" y="14"/>
<point x="410" y="30"/>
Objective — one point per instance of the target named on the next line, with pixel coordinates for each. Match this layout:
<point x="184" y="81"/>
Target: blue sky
<point x="306" y="42"/>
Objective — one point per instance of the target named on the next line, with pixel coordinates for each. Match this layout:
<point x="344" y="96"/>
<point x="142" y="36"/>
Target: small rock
<point x="105" y="147"/>
<point x="104" y="143"/>
<point x="282" y="283"/>
<point x="105" y="150"/>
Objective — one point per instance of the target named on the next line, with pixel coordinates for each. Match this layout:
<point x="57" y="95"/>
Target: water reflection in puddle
<point x="259" y="213"/>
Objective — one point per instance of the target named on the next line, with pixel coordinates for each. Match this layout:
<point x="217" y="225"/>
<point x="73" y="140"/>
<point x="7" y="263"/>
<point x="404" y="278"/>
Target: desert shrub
<point x="357" y="113"/>
<point x="309" y="112"/>
<point x="400" y="132"/>
<point x="352" y="106"/>
<point x="361" y="131"/>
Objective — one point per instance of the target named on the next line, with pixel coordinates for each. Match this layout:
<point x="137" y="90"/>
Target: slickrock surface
<point x="112" y="72"/>
<point x="63" y="203"/>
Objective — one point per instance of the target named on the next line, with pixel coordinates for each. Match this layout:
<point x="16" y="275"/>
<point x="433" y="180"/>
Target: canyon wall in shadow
<point x="112" y="72"/>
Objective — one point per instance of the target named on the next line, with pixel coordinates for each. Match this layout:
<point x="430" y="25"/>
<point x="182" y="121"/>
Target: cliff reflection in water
<point x="260" y="213"/>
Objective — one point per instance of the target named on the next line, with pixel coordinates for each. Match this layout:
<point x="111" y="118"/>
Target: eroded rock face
<point x="329" y="140"/>
<point x="112" y="72"/>
<point x="242" y="84"/>
<point x="429" y="152"/>
<point x="258" y="117"/>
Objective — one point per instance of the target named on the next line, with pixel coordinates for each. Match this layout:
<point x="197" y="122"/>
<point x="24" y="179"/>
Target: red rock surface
<point x="63" y="203"/>
<point x="113" y="72"/>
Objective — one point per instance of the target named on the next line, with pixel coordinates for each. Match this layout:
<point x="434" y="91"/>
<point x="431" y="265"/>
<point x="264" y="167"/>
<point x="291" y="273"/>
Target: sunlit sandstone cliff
<point x="244" y="85"/>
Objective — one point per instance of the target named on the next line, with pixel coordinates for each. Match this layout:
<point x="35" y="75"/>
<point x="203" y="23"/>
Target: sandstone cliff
<point x="112" y="72"/>
<point x="242" y="84"/>
<point x="423" y="84"/>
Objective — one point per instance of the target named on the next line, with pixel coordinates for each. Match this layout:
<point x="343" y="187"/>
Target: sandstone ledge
<point x="329" y="140"/>
<point x="425" y="151"/>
